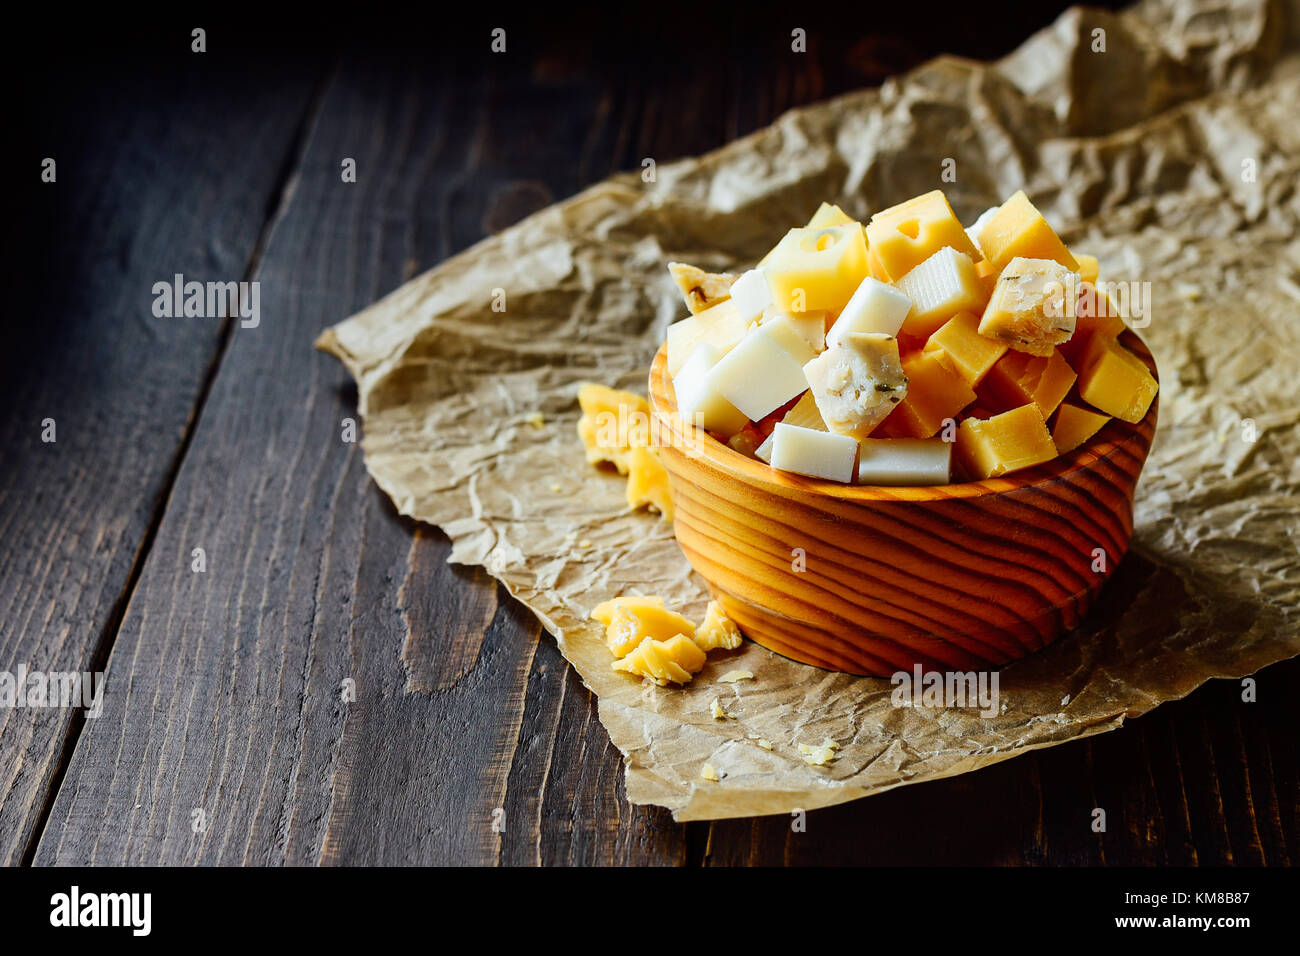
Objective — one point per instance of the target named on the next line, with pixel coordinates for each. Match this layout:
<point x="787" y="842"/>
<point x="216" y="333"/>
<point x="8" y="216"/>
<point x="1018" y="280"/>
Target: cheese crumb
<point x="720" y="713"/>
<point x="819" y="755"/>
<point x="764" y="743"/>
<point x="1065" y="700"/>
<point x="585" y="543"/>
<point x="717" y="630"/>
<point x="556" y="487"/>
<point x="732" y="677"/>
<point x="535" y="420"/>
<point x="708" y="773"/>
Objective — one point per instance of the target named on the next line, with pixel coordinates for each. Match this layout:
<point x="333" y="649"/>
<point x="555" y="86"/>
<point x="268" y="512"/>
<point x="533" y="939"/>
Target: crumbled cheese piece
<point x="1065" y="700"/>
<point x="732" y="677"/>
<point x="612" y="423"/>
<point x="719" y="712"/>
<point x="585" y="543"/>
<point x="819" y="755"/>
<point x="647" y="482"/>
<point x="764" y="743"/>
<point x="556" y="487"/>
<point x="536" y="420"/>
<point x="633" y="618"/>
<point x="674" y="661"/>
<point x="857" y="383"/>
<point x="717" y="630"/>
<point x="708" y="773"/>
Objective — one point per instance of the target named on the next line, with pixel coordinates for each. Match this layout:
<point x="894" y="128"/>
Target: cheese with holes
<point x="934" y="393"/>
<point x="1033" y="306"/>
<point x="647" y="482"/>
<point x="1018" y="230"/>
<point x="700" y="290"/>
<point x="765" y="370"/>
<point x="1113" y="379"/>
<point x="698" y="402"/>
<point x="817" y="269"/>
<point x="672" y="661"/>
<point x="858" y="383"/>
<point x="904" y="236"/>
<point x="1004" y="443"/>
<point x="721" y="326"/>
<point x="1018" y="378"/>
<point x="940" y="287"/>
<point x="904" y="461"/>
<point x="817" y="454"/>
<point x="966" y="352"/>
<point x="874" y="307"/>
<point x="612" y="422"/>
<point x="631" y="619"/>
<point x="1074" y="426"/>
<point x="717" y="630"/>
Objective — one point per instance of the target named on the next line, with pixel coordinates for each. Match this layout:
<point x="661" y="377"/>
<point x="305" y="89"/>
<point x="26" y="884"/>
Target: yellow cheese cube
<point x="988" y="277"/>
<point x="1115" y="380"/>
<point x="717" y="630"/>
<point x="815" y="269"/>
<point x="612" y="423"/>
<point x="934" y="392"/>
<point x="1074" y="426"/>
<point x="631" y="619"/>
<point x="674" y="661"/>
<point x="1004" y="443"/>
<point x="904" y="236"/>
<point x="1033" y="306"/>
<point x="647" y="482"/>
<point x="940" y="287"/>
<point x="1018" y="378"/>
<point x="828" y="214"/>
<point x="1089" y="268"/>
<point x="1019" y="230"/>
<point x="700" y="290"/>
<point x="968" y="353"/>
<point x="1095" y="313"/>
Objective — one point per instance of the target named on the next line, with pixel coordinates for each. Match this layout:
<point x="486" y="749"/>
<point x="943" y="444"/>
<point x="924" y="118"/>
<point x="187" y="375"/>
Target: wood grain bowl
<point x="951" y="577"/>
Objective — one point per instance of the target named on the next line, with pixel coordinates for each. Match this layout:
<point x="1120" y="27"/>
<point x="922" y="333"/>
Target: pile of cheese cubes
<point x="910" y="350"/>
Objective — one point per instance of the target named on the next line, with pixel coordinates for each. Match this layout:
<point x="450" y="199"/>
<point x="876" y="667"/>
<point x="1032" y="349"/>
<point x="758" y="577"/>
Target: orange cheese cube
<point x="815" y="269"/>
<point x="1089" y="267"/>
<point x="1032" y="307"/>
<point x="934" y="392"/>
<point x="1115" y="380"/>
<point x="905" y="235"/>
<point x="1019" y="230"/>
<point x="940" y="287"/>
<point x="1018" y="378"/>
<point x="968" y="353"/>
<point x="1074" y="426"/>
<point x="1004" y="443"/>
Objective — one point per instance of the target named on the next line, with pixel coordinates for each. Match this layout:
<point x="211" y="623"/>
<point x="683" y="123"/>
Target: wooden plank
<point x="146" y="186"/>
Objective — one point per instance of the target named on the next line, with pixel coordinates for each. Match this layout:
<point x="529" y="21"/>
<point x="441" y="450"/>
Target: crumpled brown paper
<point x="1171" y="154"/>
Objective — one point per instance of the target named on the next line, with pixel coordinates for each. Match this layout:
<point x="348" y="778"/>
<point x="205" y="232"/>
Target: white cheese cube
<point x="975" y="228"/>
<point x="858" y="383"/>
<point x="698" y="402"/>
<point x="875" y="307"/>
<point x="811" y="326"/>
<point x="806" y="451"/>
<point x="765" y="370"/>
<point x="904" y="461"/>
<point x="764" y="451"/>
<point x="721" y="326"/>
<point x="751" y="294"/>
<point x="940" y="287"/>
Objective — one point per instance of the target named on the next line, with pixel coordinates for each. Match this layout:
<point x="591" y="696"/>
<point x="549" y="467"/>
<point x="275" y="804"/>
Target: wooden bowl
<point x="873" y="580"/>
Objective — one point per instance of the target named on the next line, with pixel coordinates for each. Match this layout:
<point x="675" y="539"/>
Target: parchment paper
<point x="1172" y="156"/>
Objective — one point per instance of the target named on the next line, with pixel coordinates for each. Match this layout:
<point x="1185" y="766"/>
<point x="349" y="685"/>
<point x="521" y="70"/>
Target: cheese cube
<point x="647" y="482"/>
<point x="974" y="229"/>
<point x="1018" y="378"/>
<point x="721" y="326"/>
<point x="764" y="451"/>
<point x="1032" y="307"/>
<point x="765" y="370"/>
<point x="968" y="353"/>
<point x="631" y="619"/>
<point x="700" y="290"/>
<point x="943" y="285"/>
<point x="815" y="269"/>
<point x="717" y="630"/>
<point x="612" y="422"/>
<point x="1004" y="443"/>
<point x="934" y="392"/>
<point x="817" y="454"/>
<point x="904" y="236"/>
<point x="828" y="214"/>
<point x="874" y="307"/>
<point x="1018" y="230"/>
<point x="1115" y="380"/>
<point x="674" y="661"/>
<point x="811" y="326"/>
<point x="1074" y="426"/>
<point x="857" y="383"/>
<point x="751" y="294"/>
<point x="904" y="461"/>
<point x="1089" y="268"/>
<point x="698" y="400"/>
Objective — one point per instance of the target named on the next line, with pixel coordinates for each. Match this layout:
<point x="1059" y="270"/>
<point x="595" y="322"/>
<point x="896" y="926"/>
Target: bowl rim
<point x="1115" y="436"/>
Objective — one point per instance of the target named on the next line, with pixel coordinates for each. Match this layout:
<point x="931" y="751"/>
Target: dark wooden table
<point x="223" y="738"/>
